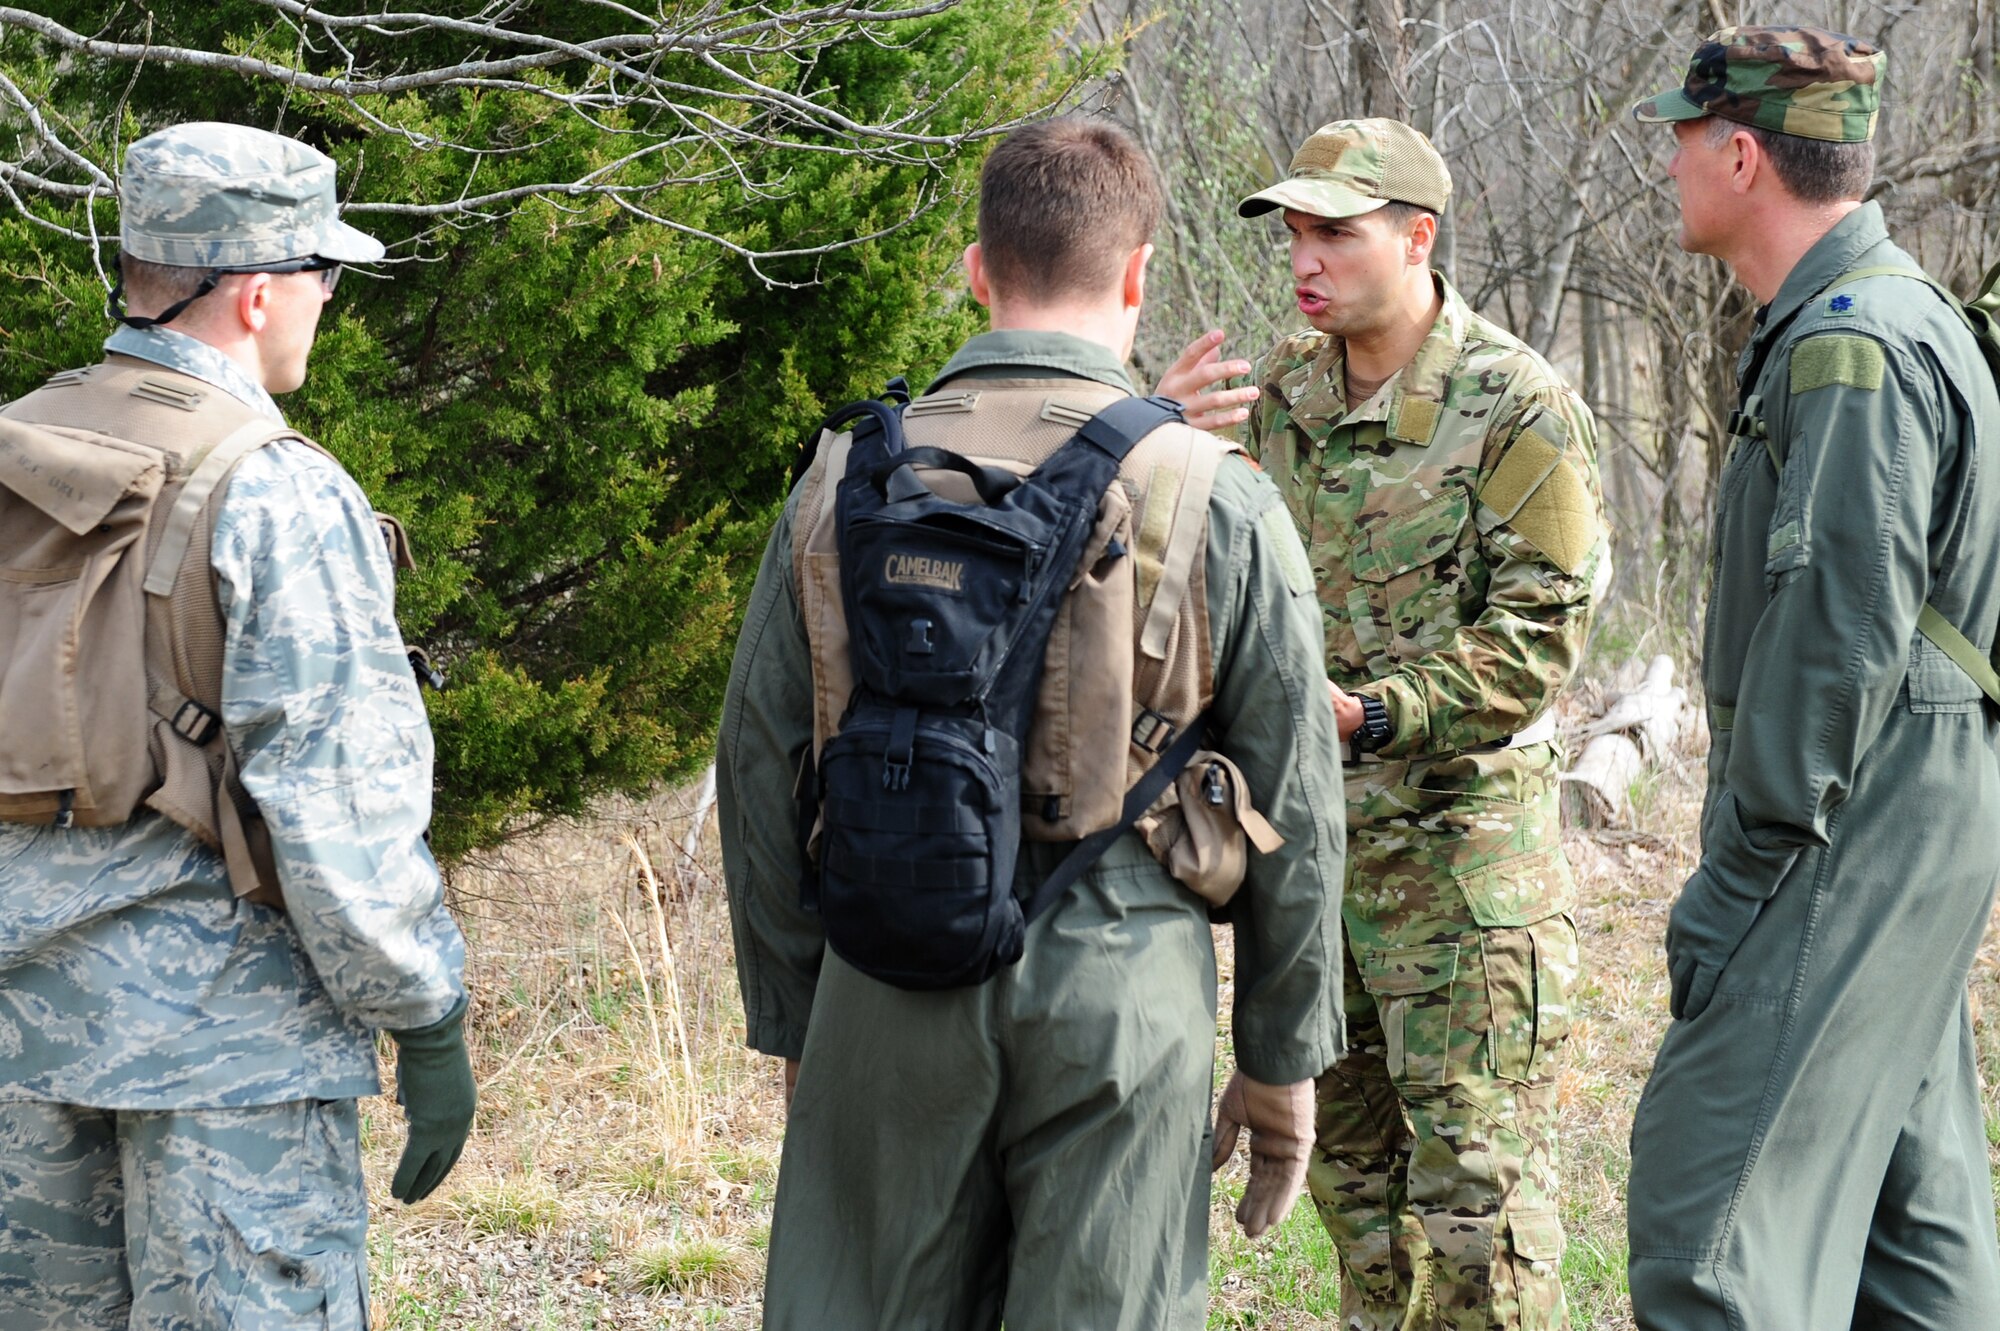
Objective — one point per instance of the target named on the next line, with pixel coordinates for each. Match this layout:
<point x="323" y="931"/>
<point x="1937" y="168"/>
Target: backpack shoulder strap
<point x="207" y="471"/>
<point x="1119" y="427"/>
<point x="1960" y="649"/>
<point x="184" y="634"/>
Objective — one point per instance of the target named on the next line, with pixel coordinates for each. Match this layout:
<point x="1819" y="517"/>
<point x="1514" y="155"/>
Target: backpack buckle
<point x="1153" y="732"/>
<point x="896" y="759"/>
<point x="195" y="723"/>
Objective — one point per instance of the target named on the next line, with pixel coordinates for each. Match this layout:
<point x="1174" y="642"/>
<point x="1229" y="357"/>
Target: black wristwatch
<point x="1374" y="731"/>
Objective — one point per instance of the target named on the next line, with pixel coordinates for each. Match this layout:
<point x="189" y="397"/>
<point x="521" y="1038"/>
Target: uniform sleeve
<point x="321" y="709"/>
<point x="1273" y="716"/>
<point x="1540" y="524"/>
<point x="1848" y="565"/>
<point x="765" y="736"/>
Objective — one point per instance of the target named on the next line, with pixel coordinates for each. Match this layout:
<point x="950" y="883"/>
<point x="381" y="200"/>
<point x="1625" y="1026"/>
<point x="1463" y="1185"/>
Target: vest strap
<point x="1188" y="541"/>
<point x="208" y="473"/>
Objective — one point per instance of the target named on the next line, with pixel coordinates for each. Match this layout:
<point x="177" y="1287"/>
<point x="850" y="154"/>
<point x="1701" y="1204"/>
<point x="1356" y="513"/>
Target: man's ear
<point x="1421" y="240"/>
<point x="1133" y="289"/>
<point x="252" y="302"/>
<point x="1750" y="161"/>
<point x="975" y="274"/>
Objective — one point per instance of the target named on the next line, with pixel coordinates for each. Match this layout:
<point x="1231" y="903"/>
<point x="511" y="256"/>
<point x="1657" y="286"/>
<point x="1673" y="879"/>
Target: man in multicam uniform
<point x="179" y="1140"/>
<point x="1445" y="482"/>
<point x="1811" y="1150"/>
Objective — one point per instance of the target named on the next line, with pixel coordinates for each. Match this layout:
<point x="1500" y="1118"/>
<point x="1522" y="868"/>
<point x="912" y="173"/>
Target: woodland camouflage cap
<point x="1804" y="81"/>
<point x="208" y="195"/>
<point x="1352" y="167"/>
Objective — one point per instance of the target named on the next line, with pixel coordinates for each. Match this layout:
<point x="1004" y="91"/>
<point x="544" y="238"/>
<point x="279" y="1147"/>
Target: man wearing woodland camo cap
<point x="190" y="983"/>
<point x="1444" y="479"/>
<point x="1810" y="1149"/>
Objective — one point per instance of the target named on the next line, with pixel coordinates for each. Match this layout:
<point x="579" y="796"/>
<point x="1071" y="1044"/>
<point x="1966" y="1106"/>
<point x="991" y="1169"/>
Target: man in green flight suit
<point x="1810" y="1150"/>
<point x="1444" y="478"/>
<point x="1035" y="1148"/>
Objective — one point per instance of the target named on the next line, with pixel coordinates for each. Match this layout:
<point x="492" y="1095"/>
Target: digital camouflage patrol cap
<point x="1352" y="167"/>
<point x="1804" y="81"/>
<point x="208" y="195"/>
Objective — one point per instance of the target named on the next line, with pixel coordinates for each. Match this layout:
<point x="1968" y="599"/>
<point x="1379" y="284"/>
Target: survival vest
<point x="110" y="633"/>
<point x="1981" y="316"/>
<point x="1003" y="586"/>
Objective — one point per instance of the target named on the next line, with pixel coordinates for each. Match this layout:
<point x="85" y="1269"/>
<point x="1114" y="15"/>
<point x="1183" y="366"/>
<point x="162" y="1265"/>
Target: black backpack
<point x="949" y="608"/>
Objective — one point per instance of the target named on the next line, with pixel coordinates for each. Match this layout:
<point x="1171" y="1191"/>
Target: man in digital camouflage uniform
<point x="1035" y="1148"/>
<point x="179" y="1141"/>
<point x="1444" y="478"/>
<point x="1810" y="1150"/>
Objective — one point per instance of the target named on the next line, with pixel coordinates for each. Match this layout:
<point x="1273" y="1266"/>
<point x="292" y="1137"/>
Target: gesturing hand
<point x="1193" y="382"/>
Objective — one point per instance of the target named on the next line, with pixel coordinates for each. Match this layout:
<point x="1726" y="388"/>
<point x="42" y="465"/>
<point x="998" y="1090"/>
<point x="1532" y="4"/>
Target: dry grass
<point x="621" y="1172"/>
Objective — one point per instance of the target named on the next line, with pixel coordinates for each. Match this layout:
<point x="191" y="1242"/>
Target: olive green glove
<point x="1280" y="1119"/>
<point x="435" y="1087"/>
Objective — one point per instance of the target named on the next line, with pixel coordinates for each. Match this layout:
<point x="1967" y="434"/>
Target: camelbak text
<point x="946" y="575"/>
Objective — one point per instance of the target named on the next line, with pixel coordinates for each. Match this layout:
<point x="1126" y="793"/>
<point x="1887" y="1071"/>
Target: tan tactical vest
<point x="1128" y="663"/>
<point x="110" y="632"/>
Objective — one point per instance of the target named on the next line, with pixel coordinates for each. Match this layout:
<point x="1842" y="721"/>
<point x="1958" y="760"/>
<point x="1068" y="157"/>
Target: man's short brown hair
<point x="1062" y="203"/>
<point x="152" y="287"/>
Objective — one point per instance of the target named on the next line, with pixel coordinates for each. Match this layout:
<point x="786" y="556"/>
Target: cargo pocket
<point x="1535" y="1246"/>
<point x="290" y="1269"/>
<point x="1518" y="890"/>
<point x="1412" y="989"/>
<point x="1528" y="976"/>
<point x="1528" y="944"/>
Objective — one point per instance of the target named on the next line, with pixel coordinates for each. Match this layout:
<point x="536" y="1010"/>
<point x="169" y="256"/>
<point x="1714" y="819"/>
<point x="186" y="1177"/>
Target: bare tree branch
<point x="707" y="92"/>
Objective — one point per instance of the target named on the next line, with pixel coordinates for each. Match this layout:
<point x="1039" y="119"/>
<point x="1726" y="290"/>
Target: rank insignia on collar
<point x="1841" y="304"/>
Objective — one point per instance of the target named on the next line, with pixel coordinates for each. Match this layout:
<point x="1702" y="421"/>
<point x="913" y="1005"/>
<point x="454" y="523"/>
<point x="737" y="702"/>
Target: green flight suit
<point x="1809" y="1152"/>
<point x="1037" y="1147"/>
<point x="1452" y="520"/>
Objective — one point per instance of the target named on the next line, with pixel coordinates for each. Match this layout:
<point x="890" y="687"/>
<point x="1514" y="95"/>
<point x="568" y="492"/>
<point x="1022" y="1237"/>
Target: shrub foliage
<point x="585" y="418"/>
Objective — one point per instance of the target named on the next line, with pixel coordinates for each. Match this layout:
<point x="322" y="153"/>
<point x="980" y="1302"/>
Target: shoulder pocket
<point x="1411" y="539"/>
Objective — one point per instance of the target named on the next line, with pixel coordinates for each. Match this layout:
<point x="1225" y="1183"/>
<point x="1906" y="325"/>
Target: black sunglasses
<point x="329" y="279"/>
<point x="328" y="269"/>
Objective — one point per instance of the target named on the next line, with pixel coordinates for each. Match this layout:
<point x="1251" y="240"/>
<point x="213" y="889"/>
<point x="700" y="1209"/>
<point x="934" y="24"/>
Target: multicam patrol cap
<point x="208" y="195"/>
<point x="1804" y="81"/>
<point x="1352" y="167"/>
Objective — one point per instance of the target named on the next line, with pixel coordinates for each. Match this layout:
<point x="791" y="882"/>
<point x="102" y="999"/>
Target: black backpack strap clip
<point x="900" y="753"/>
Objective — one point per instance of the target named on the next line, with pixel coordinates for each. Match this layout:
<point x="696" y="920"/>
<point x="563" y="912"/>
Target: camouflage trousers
<point x="1435" y="1165"/>
<point x="182" y="1220"/>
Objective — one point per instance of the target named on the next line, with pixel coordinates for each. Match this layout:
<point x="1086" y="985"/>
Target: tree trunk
<point x="1382" y="59"/>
